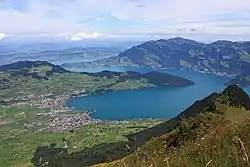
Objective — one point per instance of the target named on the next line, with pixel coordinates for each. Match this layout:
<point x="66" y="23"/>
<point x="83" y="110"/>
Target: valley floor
<point x="21" y="147"/>
<point x="35" y="121"/>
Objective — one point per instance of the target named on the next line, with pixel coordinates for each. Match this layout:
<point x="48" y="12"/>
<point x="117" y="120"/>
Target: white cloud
<point x="137" y="16"/>
<point x="63" y="34"/>
<point x="2" y="36"/>
<point x="81" y="36"/>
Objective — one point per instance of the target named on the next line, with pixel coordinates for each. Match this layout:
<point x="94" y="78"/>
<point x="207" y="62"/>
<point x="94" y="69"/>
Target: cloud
<point x="81" y="36"/>
<point x="2" y="36"/>
<point x="119" y="17"/>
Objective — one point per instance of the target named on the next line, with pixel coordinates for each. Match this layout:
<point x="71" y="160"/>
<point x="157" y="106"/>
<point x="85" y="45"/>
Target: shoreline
<point x="61" y="117"/>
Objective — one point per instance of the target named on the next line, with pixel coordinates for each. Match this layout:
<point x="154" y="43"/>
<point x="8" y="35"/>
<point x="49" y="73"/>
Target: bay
<point x="158" y="102"/>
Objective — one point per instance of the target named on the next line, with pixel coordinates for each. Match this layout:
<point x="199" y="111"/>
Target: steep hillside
<point x="221" y="57"/>
<point x="205" y="140"/>
<point x="217" y="135"/>
<point x="232" y="96"/>
<point x="169" y="142"/>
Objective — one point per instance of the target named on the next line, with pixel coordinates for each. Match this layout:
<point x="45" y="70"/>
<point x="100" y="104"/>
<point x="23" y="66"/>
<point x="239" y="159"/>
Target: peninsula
<point x="44" y="88"/>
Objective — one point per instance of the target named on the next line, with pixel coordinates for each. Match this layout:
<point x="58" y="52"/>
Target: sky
<point x="77" y="20"/>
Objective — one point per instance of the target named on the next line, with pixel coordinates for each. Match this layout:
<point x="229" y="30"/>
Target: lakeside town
<point x="55" y="103"/>
<point x="62" y="121"/>
<point x="60" y="116"/>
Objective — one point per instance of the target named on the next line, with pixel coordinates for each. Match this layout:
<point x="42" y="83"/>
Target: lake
<point x="159" y="102"/>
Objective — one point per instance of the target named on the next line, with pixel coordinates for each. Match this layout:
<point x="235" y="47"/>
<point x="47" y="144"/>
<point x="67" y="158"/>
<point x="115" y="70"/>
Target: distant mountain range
<point x="59" y="52"/>
<point x="55" y="53"/>
<point x="225" y="58"/>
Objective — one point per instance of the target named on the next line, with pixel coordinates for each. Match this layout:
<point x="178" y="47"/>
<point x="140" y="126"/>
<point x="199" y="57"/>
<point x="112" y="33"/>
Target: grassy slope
<point x="208" y="139"/>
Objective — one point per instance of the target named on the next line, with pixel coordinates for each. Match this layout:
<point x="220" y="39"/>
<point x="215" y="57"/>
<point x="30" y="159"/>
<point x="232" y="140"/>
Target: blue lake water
<point x="159" y="102"/>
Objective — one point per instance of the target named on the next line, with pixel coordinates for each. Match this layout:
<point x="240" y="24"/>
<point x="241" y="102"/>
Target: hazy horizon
<point x="124" y="20"/>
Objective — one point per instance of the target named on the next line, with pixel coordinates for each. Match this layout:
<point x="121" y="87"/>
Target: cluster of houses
<point x="54" y="102"/>
<point x="70" y="122"/>
<point x="56" y="109"/>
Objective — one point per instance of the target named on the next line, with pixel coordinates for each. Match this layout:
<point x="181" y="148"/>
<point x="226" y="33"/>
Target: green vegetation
<point x="206" y="140"/>
<point x="196" y="53"/>
<point x="33" y="92"/>
<point x="221" y="57"/>
<point x="245" y="56"/>
<point x="14" y="114"/>
<point x="133" y="84"/>
<point x="216" y="136"/>
<point x="18" y="145"/>
<point x="212" y="131"/>
<point x="41" y="69"/>
<point x="185" y="64"/>
<point x="41" y="78"/>
<point x="225" y="64"/>
<point x="203" y="134"/>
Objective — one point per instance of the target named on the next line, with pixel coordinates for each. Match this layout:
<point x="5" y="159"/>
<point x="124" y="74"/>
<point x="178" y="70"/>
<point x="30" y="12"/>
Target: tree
<point x="53" y="145"/>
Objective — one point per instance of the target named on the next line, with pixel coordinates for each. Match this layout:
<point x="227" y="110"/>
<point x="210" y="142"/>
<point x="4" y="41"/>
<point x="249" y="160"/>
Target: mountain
<point x="232" y="96"/>
<point x="54" y="52"/>
<point x="22" y="65"/>
<point x="212" y="123"/>
<point x="213" y="131"/>
<point x="34" y="73"/>
<point x="221" y="57"/>
<point x="38" y="68"/>
<point x="35" y="93"/>
<point x="155" y="78"/>
<point x="242" y="80"/>
<point x="35" y="69"/>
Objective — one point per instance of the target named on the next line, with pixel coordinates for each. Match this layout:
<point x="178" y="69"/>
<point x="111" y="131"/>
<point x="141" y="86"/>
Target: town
<point x="64" y="121"/>
<point x="60" y="117"/>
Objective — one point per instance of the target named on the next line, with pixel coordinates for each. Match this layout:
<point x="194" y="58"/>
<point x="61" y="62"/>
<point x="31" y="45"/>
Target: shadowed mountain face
<point x="232" y="96"/>
<point x="221" y="58"/>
